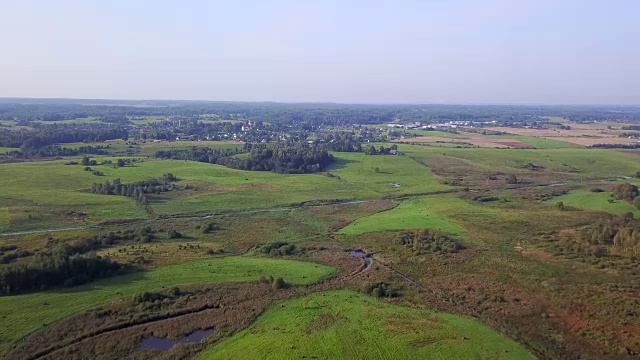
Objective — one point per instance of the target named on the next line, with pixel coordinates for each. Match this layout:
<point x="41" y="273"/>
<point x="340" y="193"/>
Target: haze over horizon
<point x="497" y="52"/>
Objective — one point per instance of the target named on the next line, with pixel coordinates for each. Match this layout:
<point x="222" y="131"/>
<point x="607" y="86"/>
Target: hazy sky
<point x="453" y="51"/>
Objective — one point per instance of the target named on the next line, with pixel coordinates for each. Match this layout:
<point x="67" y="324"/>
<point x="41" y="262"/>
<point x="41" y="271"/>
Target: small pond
<point x="361" y="254"/>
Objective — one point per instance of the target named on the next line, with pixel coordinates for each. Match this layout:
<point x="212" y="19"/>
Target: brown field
<point x="580" y="134"/>
<point x="472" y="139"/>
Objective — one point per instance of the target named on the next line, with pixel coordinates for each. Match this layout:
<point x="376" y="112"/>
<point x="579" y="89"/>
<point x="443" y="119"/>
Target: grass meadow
<point x="37" y="193"/>
<point x="349" y="325"/>
<point x="20" y="315"/>
<point x="596" y="201"/>
<point x="426" y="212"/>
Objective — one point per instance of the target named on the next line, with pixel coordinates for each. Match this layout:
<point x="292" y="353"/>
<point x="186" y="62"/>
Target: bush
<point x="426" y="240"/>
<point x="511" y="179"/>
<point x="209" y="228"/>
<point x="174" y="234"/>
<point x="279" y="248"/>
<point x="278" y="283"/>
<point x="379" y="289"/>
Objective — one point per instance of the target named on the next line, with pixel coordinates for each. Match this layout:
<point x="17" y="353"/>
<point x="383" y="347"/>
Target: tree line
<point x="60" y="266"/>
<point x="42" y="136"/>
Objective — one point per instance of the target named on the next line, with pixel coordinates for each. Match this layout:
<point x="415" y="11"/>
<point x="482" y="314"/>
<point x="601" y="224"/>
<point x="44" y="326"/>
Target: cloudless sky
<point x="423" y="51"/>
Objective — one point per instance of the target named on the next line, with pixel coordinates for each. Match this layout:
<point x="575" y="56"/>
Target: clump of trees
<point x="620" y="232"/>
<point x="275" y="283"/>
<point x="627" y="192"/>
<point x="285" y="158"/>
<point x="61" y="266"/>
<point x="279" y="248"/>
<point x="429" y="241"/>
<point x="138" y="190"/>
<point x="371" y="150"/>
<point x="153" y="296"/>
<point x="379" y="289"/>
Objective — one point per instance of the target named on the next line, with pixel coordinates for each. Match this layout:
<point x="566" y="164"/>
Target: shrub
<point x="174" y="234"/>
<point x="209" y="228"/>
<point x="278" y="283"/>
<point x="379" y="289"/>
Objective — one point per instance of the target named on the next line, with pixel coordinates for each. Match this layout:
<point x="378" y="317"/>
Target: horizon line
<point x="373" y="103"/>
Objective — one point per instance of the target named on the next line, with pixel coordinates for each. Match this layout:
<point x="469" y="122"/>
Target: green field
<point x="426" y="212"/>
<point x="578" y="162"/>
<point x="348" y="325"/>
<point x="23" y="314"/>
<point x="86" y="120"/>
<point x="585" y="199"/>
<point x="50" y="187"/>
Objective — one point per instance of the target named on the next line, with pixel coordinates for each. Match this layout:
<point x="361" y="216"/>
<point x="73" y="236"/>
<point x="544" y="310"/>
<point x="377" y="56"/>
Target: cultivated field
<point x="579" y="134"/>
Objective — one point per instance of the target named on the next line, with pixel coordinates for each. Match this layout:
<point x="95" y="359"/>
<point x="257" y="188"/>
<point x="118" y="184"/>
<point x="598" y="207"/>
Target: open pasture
<point x="349" y="325"/>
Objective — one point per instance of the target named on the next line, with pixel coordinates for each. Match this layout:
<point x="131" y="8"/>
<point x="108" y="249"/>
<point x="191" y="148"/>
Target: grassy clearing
<point x="348" y="325"/>
<point x="41" y="193"/>
<point x="584" y="199"/>
<point x="23" y="314"/>
<point x="12" y="125"/>
<point x="86" y="120"/>
<point x="7" y="149"/>
<point x="411" y="214"/>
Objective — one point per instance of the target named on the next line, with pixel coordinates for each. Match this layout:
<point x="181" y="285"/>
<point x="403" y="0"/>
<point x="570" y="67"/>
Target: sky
<point x="401" y="51"/>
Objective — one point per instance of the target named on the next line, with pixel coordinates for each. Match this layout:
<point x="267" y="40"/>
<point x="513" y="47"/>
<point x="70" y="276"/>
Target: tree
<point x="85" y="160"/>
<point x="120" y="163"/>
<point x="377" y="169"/>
